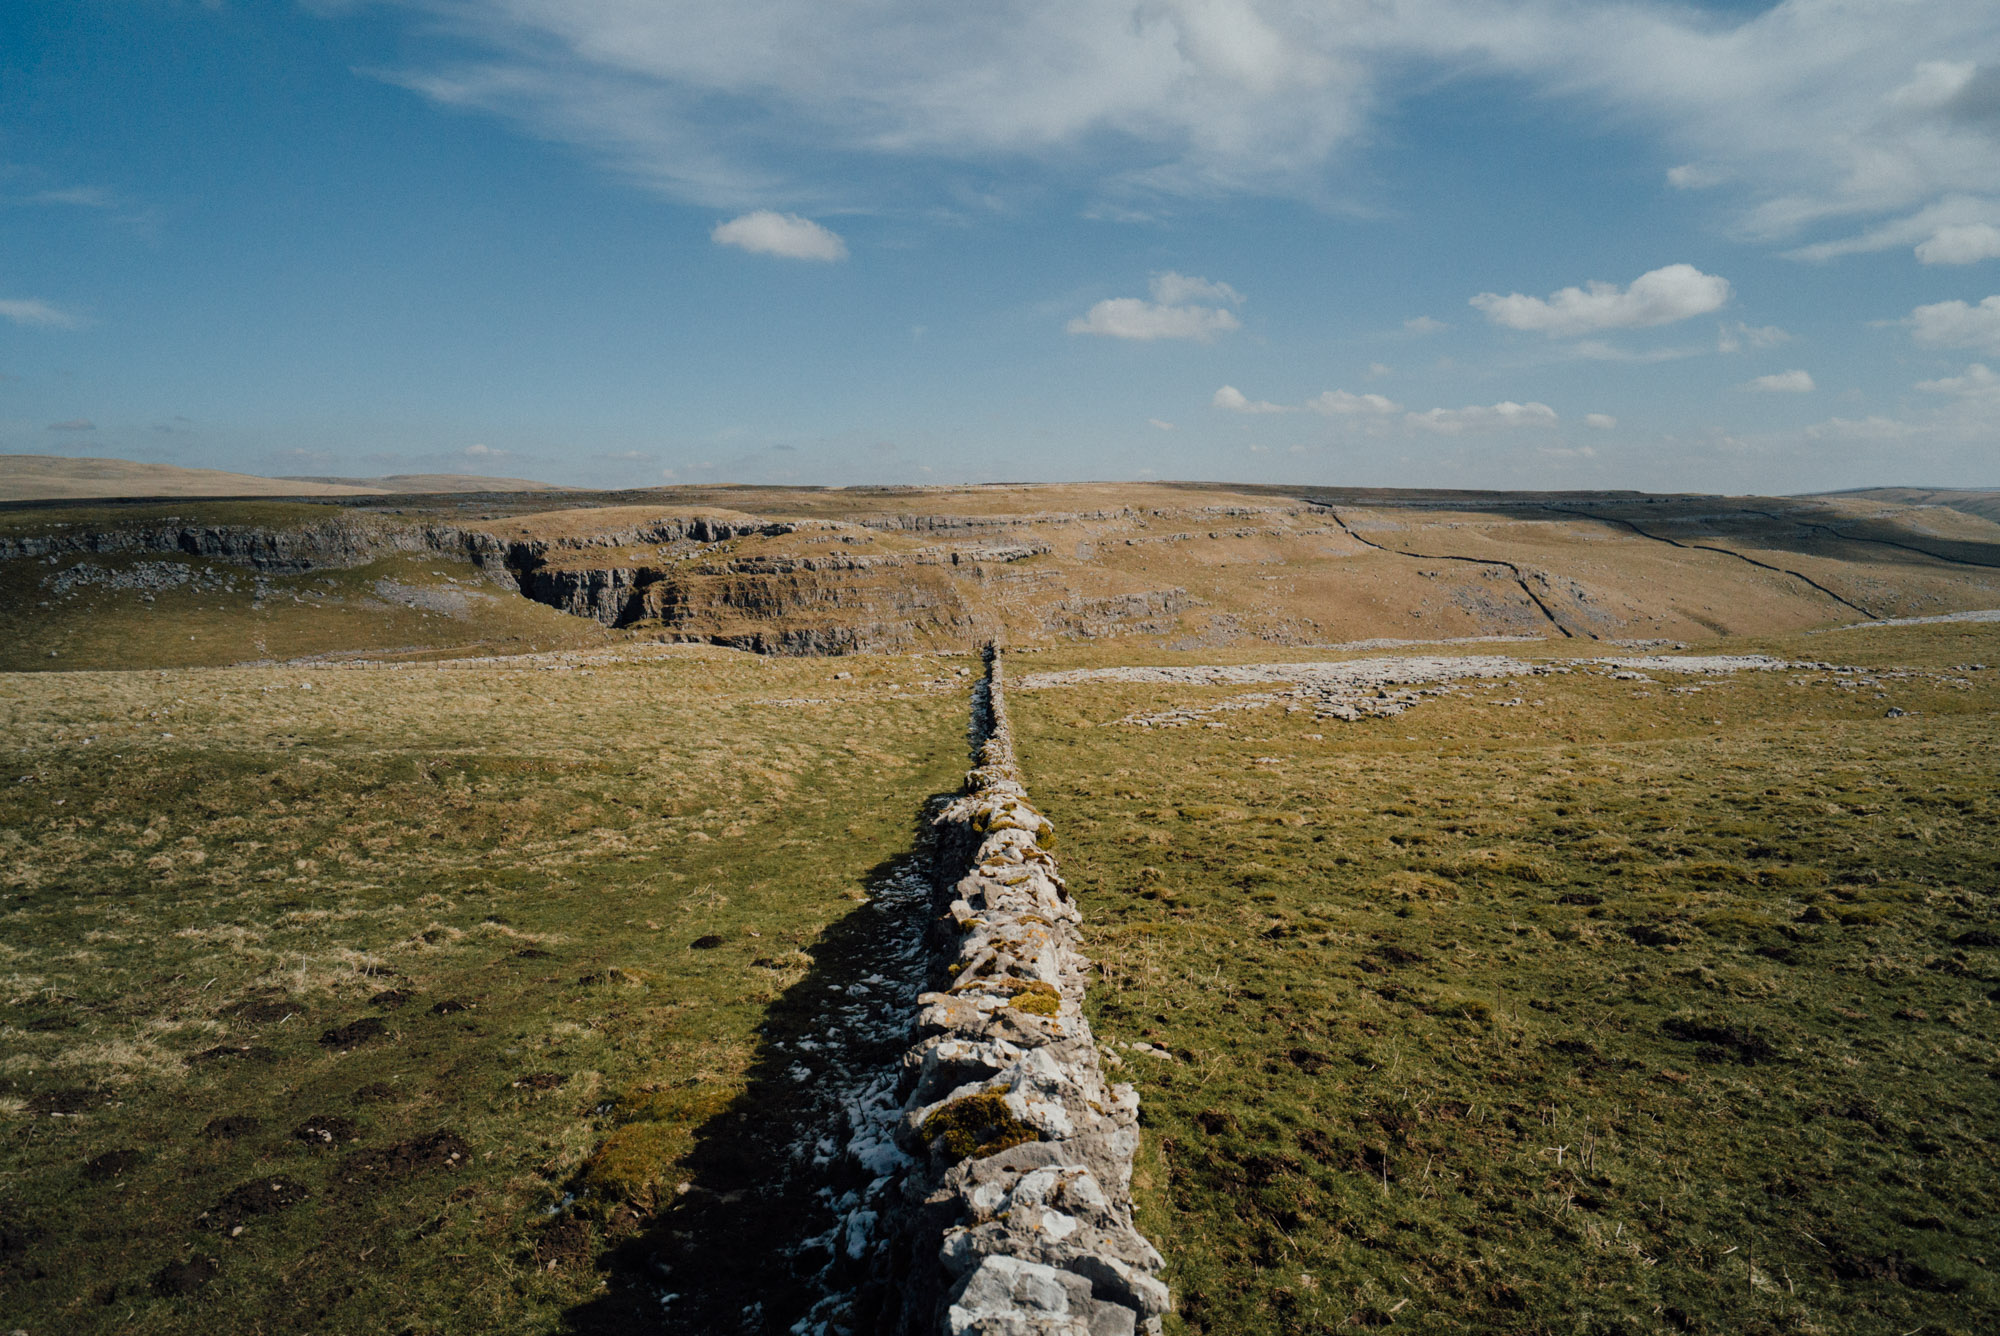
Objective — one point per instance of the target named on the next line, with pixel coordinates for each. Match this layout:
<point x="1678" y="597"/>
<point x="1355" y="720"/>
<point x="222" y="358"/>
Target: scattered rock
<point x="326" y="1129"/>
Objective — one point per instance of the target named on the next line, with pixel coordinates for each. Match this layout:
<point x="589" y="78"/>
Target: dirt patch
<point x="540" y="1081"/>
<point x="706" y="942"/>
<point x="112" y="1164"/>
<point x="247" y="1201"/>
<point x="260" y="1013"/>
<point x="231" y="1052"/>
<point x="231" y="1127"/>
<point x="567" y="1242"/>
<point x="353" y="1033"/>
<point x="179" y="1279"/>
<point x="67" y="1103"/>
<point x="449" y="1007"/>
<point x="442" y="1149"/>
<point x="392" y="999"/>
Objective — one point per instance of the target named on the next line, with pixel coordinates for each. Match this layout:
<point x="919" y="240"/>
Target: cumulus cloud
<point x="478" y="451"/>
<point x="1507" y="413"/>
<point x="1160" y="423"/>
<point x="1733" y="338"/>
<point x="1235" y="401"/>
<point x="765" y="232"/>
<point x="1955" y="324"/>
<point x="1601" y="421"/>
<point x="1965" y="243"/>
<point x="1782" y="382"/>
<point x="1977" y="382"/>
<point x="1659" y="297"/>
<point x="1423" y="324"/>
<point x="1171" y="314"/>
<point x="36" y="314"/>
<point x="1339" y="403"/>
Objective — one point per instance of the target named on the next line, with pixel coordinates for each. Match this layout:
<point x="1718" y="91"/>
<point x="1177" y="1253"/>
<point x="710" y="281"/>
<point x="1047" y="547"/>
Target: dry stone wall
<point x="1018" y="1211"/>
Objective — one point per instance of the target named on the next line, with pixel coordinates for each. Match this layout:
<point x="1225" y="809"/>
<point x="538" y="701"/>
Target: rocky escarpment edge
<point x="1018" y="1211"/>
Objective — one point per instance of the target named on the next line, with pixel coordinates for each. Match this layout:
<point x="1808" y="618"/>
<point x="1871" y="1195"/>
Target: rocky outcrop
<point x="1149" y="611"/>
<point x="1018" y="1211"/>
<point x="333" y="544"/>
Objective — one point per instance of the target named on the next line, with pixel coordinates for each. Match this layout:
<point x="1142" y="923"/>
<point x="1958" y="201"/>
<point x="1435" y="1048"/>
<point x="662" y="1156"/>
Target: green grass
<point x="415" y="946"/>
<point x="409" y="606"/>
<point x="1635" y="1012"/>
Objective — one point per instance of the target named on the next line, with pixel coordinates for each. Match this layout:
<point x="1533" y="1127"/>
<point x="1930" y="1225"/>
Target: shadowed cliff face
<point x="1188" y="568"/>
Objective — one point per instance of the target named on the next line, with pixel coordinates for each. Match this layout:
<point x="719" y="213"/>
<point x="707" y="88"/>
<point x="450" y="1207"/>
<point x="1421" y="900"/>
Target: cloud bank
<point x="1810" y="113"/>
<point x="33" y="313"/>
<point x="1173" y="313"/>
<point x="1659" y="297"/>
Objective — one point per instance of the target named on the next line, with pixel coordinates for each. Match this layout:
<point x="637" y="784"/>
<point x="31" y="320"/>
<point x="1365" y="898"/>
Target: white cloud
<point x="1379" y="369"/>
<point x="765" y="232"/>
<point x="1423" y="324"/>
<point x="1812" y="110"/>
<point x="1507" y="413"/>
<point x="1782" y="382"/>
<point x="1601" y="421"/>
<point x="1597" y="350"/>
<point x="1954" y="324"/>
<point x="1732" y="338"/>
<point x="1160" y="423"/>
<point x="1339" y="403"/>
<point x="1233" y="399"/>
<point x="83" y="197"/>
<point x="38" y="314"/>
<point x="1172" y="289"/>
<point x="478" y="451"/>
<point x="1965" y="243"/>
<point x="1169" y="315"/>
<point x="1977" y="382"/>
<point x="1693" y="176"/>
<point x="1659" y="297"/>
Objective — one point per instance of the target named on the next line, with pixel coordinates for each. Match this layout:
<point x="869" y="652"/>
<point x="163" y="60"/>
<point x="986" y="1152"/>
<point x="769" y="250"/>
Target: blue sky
<point x="1482" y="243"/>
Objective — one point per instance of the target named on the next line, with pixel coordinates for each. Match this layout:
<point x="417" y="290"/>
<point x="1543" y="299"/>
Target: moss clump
<point x="977" y="1126"/>
<point x="1040" y="998"/>
<point x="628" y="1165"/>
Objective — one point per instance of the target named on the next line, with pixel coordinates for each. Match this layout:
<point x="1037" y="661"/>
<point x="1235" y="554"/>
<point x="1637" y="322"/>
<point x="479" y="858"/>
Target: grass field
<point x="1643" y="1010"/>
<point x="326" y="989"/>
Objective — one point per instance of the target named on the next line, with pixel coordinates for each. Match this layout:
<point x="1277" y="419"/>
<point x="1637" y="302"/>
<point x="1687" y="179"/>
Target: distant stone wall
<point x="1018" y="1215"/>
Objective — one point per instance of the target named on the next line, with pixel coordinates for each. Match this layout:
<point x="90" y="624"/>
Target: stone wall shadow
<point x="744" y="1248"/>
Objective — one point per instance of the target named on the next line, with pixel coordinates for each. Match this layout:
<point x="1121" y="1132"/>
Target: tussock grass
<point x="453" y="908"/>
<point x="1661" y="1013"/>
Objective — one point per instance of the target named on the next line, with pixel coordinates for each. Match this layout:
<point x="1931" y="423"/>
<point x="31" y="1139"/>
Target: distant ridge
<point x="64" y="478"/>
<point x="69" y="478"/>
<point x="1981" y="501"/>
<point x="431" y="484"/>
